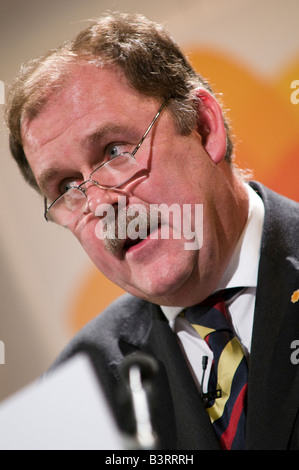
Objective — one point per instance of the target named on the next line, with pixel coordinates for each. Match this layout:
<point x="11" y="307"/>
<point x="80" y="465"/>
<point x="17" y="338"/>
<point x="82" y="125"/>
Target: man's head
<point x="94" y="98"/>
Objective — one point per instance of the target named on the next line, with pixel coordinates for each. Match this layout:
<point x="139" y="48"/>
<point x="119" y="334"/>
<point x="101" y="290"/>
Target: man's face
<point x="98" y="110"/>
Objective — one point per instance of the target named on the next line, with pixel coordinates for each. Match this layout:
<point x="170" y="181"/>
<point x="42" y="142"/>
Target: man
<point x="117" y="120"/>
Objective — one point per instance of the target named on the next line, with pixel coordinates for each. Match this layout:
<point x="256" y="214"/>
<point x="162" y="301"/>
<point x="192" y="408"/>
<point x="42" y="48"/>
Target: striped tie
<point x="226" y="397"/>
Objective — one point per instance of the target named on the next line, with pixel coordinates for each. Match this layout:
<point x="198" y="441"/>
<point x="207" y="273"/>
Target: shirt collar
<point x="243" y="266"/>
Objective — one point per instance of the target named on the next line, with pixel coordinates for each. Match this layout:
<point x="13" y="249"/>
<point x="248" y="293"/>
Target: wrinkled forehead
<point x="86" y="86"/>
<point x="69" y="87"/>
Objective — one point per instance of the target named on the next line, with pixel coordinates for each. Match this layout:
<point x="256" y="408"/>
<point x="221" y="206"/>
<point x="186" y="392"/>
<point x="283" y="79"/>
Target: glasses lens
<point x="117" y="171"/>
<point x="68" y="207"/>
<point x="73" y="203"/>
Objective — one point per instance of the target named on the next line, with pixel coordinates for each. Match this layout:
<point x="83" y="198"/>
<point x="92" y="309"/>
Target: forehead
<point x="88" y="87"/>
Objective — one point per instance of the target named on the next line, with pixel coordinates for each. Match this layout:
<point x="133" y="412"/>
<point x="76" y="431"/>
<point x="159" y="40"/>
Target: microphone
<point x="138" y="370"/>
<point x="210" y="395"/>
<point x="130" y="401"/>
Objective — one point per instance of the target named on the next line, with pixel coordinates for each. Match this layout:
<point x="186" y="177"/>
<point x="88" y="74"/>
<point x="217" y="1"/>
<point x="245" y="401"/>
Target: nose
<point x="98" y="196"/>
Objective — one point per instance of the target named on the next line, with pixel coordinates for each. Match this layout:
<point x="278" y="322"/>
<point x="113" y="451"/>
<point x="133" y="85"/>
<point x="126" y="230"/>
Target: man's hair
<point x="150" y="59"/>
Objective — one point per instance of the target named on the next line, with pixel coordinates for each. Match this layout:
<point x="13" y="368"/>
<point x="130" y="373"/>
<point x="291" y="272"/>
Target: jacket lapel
<point x="273" y="386"/>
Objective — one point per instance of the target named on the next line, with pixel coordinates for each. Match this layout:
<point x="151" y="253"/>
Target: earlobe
<point x="211" y="125"/>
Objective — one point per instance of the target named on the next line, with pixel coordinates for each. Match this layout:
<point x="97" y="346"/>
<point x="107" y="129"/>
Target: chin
<point x="163" y="288"/>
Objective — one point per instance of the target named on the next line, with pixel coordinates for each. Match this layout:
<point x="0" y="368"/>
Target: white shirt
<point x="241" y="271"/>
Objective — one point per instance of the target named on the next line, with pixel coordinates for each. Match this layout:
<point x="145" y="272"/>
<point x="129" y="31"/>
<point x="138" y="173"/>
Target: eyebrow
<point x="89" y="141"/>
<point x="45" y="178"/>
<point x="97" y="135"/>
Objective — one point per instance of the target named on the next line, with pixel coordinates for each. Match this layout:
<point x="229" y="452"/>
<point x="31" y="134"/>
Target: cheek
<point x="86" y="233"/>
<point x="163" y="186"/>
<point x="176" y="179"/>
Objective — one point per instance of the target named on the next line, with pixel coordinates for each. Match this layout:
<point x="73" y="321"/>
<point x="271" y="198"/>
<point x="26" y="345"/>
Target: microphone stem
<point x="144" y="431"/>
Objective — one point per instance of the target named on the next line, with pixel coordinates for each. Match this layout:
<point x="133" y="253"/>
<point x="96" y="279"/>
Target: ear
<point x="210" y="125"/>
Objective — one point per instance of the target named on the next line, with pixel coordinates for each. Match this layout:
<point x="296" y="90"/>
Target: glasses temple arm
<point x="45" y="209"/>
<point x="149" y="127"/>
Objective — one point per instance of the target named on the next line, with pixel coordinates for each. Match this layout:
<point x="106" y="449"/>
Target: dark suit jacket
<point x="130" y="324"/>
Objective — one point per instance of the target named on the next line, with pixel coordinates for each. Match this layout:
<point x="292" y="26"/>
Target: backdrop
<point x="247" y="49"/>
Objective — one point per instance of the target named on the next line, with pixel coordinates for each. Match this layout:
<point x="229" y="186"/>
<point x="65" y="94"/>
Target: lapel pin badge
<point x="295" y="296"/>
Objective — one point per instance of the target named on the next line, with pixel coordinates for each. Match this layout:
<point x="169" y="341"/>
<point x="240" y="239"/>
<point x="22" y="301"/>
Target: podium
<point x="67" y="410"/>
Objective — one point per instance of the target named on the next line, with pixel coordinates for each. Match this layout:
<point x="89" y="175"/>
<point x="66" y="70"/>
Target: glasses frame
<point x="90" y="180"/>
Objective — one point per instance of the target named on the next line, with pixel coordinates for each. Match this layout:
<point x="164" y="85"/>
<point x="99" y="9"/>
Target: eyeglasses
<point x="111" y="174"/>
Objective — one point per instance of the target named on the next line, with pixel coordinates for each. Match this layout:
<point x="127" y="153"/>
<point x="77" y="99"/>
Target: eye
<point x="66" y="185"/>
<point x="115" y="150"/>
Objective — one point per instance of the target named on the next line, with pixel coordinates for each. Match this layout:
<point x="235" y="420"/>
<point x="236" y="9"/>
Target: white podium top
<point x="65" y="411"/>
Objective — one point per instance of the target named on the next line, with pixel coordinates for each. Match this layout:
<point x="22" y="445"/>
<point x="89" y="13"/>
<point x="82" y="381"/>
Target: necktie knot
<point x="211" y="314"/>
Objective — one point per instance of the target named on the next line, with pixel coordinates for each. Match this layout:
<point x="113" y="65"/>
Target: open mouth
<point x="131" y="243"/>
<point x="123" y="236"/>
